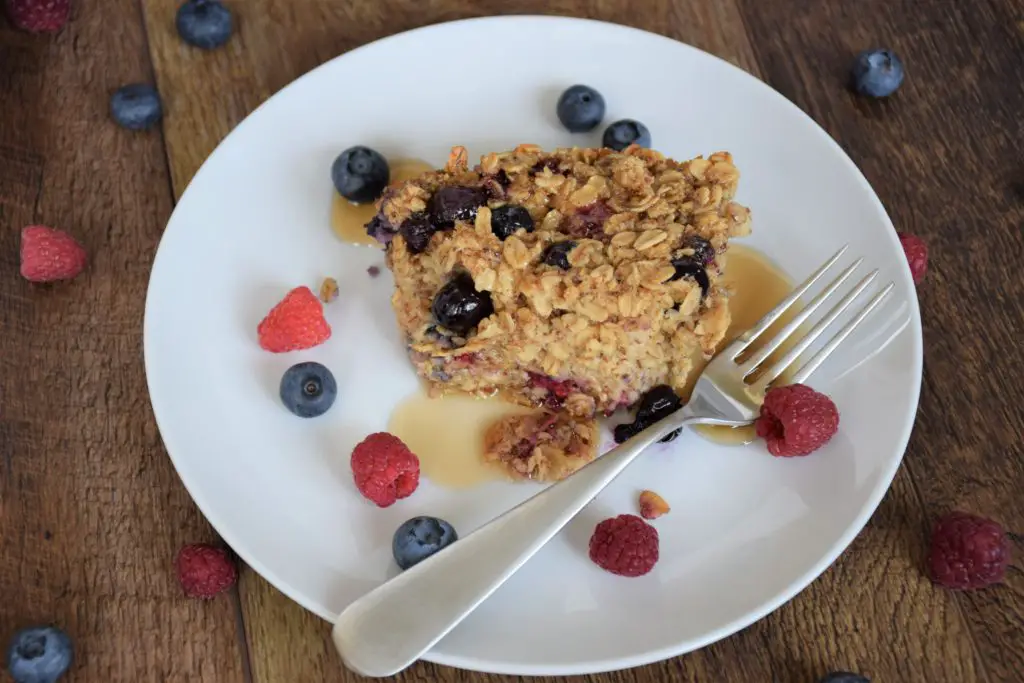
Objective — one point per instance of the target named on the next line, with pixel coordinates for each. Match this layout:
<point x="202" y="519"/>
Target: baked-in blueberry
<point x="876" y="73"/>
<point x="622" y="134"/>
<point x="703" y="251"/>
<point x="687" y="266"/>
<point x="456" y="203"/>
<point x="360" y="174"/>
<point x="204" y="23"/>
<point x="659" y="402"/>
<point x="417" y="231"/>
<point x="308" y="389"/>
<point x="459" y="307"/>
<point x="419" y="538"/>
<point x="557" y="254"/>
<point x="580" y="108"/>
<point x="506" y="219"/>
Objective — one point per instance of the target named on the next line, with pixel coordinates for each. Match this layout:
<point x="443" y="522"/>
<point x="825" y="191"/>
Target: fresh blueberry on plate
<point x="580" y="108"/>
<point x="877" y="73"/>
<point x="204" y="24"/>
<point x="360" y="174"/>
<point x="308" y="389"/>
<point x="40" y="654"/>
<point x="419" y="538"/>
<point x="136" y="106"/>
<point x="622" y="134"/>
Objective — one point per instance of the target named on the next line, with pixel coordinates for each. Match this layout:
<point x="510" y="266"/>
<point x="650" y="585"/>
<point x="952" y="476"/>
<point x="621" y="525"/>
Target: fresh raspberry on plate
<point x="296" y="323"/>
<point x="967" y="552"/>
<point x="385" y="469"/>
<point x="625" y="545"/>
<point x="917" y="255"/>
<point x="205" y="570"/>
<point x="796" y="420"/>
<point x="39" y="16"/>
<point x="48" y="254"/>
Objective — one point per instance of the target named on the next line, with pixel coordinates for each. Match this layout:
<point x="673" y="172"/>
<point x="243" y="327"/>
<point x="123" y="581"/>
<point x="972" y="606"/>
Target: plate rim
<point x="914" y="328"/>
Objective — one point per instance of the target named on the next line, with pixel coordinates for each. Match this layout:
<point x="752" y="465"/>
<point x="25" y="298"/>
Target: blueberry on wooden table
<point x="40" y="654"/>
<point x="876" y="73"/>
<point x="205" y="24"/>
<point x="136" y="106"/>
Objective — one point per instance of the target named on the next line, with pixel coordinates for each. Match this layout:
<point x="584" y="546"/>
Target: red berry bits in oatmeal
<point x="384" y="468"/>
<point x="652" y="505"/>
<point x="578" y="283"/>
<point x="295" y="323"/>
<point x="625" y="545"/>
<point x="796" y="420"/>
<point x="967" y="552"/>
<point x="542" y="446"/>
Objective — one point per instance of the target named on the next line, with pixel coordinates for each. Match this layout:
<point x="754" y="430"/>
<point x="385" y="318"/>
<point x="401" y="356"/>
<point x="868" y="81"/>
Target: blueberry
<point x="450" y="204"/>
<point x="360" y="174"/>
<point x="308" y="389"/>
<point x="580" y="108"/>
<point x="40" y="654"/>
<point x="844" y="677"/>
<point x="687" y="266"/>
<point x="703" y="251"/>
<point x="876" y="73"/>
<point x="419" y="538"/>
<point x="622" y="134"/>
<point x="459" y="307"/>
<point x="557" y="254"/>
<point x="380" y="229"/>
<point x="659" y="402"/>
<point x="136" y="106"/>
<point x="624" y="432"/>
<point x="505" y="220"/>
<point x="204" y="23"/>
<point x="417" y="231"/>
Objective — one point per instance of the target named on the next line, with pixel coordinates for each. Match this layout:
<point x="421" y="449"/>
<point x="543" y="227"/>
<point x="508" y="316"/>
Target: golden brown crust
<point x="595" y="336"/>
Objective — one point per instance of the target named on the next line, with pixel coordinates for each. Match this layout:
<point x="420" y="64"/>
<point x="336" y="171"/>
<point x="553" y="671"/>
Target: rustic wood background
<point x="91" y="511"/>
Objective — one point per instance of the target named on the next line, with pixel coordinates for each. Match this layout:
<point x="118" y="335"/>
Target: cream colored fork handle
<point x="391" y="627"/>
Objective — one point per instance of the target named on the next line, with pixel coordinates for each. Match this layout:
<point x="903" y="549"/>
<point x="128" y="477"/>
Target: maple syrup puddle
<point x="348" y="220"/>
<point x="757" y="287"/>
<point x="447" y="434"/>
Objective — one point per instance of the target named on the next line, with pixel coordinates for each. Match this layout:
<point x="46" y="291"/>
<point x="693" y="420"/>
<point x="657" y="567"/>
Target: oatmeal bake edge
<point x="630" y="295"/>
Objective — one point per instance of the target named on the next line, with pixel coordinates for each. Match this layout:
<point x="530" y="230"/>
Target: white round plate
<point x="747" y="531"/>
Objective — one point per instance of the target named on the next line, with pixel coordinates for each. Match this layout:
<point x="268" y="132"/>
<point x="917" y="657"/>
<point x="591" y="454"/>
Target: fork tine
<point x="810" y="366"/>
<point x="743" y="341"/>
<point x="776" y="369"/>
<point x="775" y="342"/>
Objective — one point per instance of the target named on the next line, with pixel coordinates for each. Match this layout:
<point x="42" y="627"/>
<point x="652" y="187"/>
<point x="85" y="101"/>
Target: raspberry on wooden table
<point x="38" y="16"/>
<point x="916" y="251"/>
<point x="384" y="468"/>
<point x="48" y="254"/>
<point x="796" y="420"/>
<point x="625" y="545"/>
<point x="967" y="552"/>
<point x="205" y="570"/>
<point x="296" y="323"/>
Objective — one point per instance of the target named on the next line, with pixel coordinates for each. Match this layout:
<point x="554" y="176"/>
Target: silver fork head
<point x="735" y="381"/>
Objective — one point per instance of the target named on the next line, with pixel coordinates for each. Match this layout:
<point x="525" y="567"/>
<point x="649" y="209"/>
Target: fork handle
<point x="392" y="626"/>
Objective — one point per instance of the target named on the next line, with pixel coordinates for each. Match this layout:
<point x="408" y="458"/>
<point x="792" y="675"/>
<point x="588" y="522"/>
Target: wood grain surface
<point x="91" y="511"/>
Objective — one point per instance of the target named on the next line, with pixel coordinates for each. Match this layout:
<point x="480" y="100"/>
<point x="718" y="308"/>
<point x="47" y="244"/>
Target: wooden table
<point x="91" y="511"/>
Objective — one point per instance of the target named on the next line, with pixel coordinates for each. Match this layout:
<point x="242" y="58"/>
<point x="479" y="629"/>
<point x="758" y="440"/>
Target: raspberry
<point x="652" y="505"/>
<point x="48" y="254"/>
<point x="917" y="255"/>
<point x="39" y="16"/>
<point x="205" y="570"/>
<point x="625" y="545"/>
<point x="796" y="420"/>
<point x="296" y="323"/>
<point x="385" y="469"/>
<point x="967" y="552"/>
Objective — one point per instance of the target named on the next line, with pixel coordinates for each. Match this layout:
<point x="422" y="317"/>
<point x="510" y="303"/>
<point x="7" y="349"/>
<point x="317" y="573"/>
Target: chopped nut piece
<point x="652" y="505"/>
<point x="329" y="290"/>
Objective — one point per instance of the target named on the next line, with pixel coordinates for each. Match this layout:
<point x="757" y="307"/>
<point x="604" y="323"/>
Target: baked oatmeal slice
<point x="541" y="447"/>
<point x="576" y="279"/>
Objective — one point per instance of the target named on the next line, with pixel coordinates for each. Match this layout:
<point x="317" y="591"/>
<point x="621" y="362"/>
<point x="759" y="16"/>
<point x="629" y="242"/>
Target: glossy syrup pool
<point x="348" y="220"/>
<point x="758" y="286"/>
<point x="447" y="434"/>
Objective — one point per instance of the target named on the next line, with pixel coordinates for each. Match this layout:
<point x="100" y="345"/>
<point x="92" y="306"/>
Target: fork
<point x="392" y="626"/>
